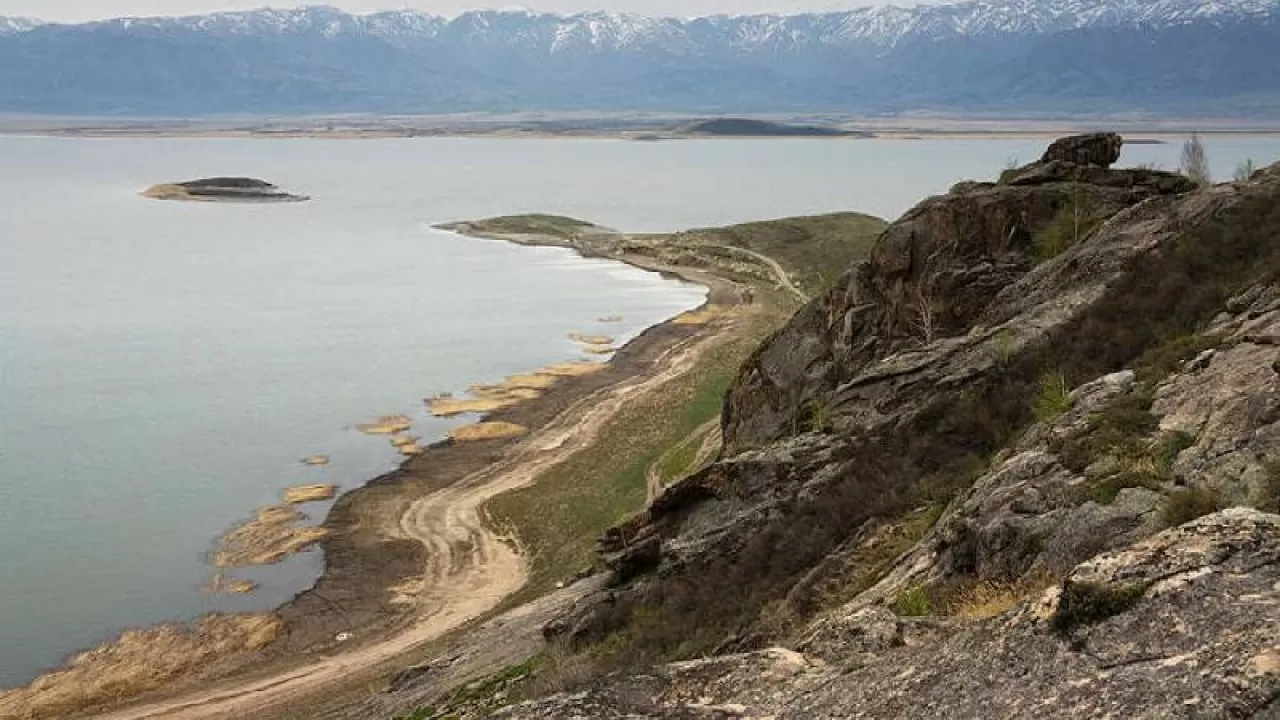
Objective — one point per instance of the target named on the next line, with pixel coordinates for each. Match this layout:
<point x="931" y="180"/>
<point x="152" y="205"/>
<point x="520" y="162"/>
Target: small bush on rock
<point x="1186" y="505"/>
<point x="914" y="602"/>
<point x="1091" y="603"/>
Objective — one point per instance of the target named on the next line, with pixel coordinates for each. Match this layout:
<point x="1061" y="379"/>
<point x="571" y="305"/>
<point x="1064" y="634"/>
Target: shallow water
<point x="164" y="366"/>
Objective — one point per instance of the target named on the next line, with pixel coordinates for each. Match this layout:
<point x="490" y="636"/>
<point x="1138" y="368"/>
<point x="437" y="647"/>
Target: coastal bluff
<point x="222" y="189"/>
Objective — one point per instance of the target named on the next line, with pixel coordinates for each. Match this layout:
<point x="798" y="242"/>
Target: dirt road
<point x="471" y="568"/>
<point x="784" y="278"/>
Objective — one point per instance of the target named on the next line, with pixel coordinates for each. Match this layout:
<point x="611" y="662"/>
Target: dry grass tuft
<point x="309" y="493"/>
<point x="575" y="369"/>
<point x="703" y="316"/>
<point x="316" y="460"/>
<point x="399" y="441"/>
<point x="488" y="431"/>
<point x="531" y="381"/>
<point x="987" y="600"/>
<point x="444" y="407"/>
<point x="411" y="450"/>
<point x="600" y="349"/>
<point x="267" y="539"/>
<point x="139" y="661"/>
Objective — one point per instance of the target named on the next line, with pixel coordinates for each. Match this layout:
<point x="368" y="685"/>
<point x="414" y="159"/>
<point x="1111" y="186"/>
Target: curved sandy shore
<point x="471" y="568"/>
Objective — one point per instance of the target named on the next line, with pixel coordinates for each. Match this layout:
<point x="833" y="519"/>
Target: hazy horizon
<point x="89" y="10"/>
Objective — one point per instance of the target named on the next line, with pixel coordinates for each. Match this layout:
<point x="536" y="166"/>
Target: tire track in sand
<point x="470" y="567"/>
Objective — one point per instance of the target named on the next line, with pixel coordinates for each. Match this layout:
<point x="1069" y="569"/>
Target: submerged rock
<point x="222" y="189"/>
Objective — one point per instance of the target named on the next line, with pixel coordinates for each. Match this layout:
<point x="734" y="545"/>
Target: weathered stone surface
<point x="1100" y="149"/>
<point x="907" y="419"/>
<point x="1201" y="638"/>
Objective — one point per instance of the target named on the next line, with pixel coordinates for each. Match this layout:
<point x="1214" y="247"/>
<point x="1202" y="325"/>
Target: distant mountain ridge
<point x="970" y="55"/>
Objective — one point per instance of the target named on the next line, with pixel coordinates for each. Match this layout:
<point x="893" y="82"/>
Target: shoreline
<point x="365" y="595"/>
<point x="974" y="130"/>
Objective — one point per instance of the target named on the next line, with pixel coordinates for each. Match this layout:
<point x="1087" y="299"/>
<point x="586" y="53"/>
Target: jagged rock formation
<point x="912" y="440"/>
<point x="1182" y="625"/>
<point x="1099" y="149"/>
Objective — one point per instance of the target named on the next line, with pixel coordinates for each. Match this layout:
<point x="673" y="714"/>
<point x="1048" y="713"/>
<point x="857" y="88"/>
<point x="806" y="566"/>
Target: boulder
<point x="1100" y="149"/>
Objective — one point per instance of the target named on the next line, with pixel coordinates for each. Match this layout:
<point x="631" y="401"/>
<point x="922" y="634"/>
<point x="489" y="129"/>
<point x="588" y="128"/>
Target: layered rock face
<point x="1182" y="625"/>
<point x="980" y="410"/>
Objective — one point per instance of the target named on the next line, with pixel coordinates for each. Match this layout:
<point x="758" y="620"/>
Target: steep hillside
<point x="948" y="484"/>
<point x="1003" y="55"/>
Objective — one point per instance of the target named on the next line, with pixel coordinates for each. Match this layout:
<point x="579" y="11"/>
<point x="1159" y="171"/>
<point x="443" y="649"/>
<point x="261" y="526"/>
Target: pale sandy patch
<point x="488" y="431"/>
<point x="309" y="493"/>
<point x="586" y="339"/>
<point x="137" y="662"/>
<point x="272" y="536"/>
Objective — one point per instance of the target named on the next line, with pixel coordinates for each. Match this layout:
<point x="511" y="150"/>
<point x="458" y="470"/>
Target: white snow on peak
<point x="881" y="26"/>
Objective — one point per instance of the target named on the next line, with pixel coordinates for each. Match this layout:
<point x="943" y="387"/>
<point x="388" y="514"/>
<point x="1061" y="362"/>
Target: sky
<point x="81" y="10"/>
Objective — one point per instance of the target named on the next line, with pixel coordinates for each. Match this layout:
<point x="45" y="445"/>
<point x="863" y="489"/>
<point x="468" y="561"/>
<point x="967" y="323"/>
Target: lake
<point x="165" y="366"/>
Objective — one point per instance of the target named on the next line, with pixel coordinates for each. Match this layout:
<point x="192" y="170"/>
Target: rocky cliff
<point x="948" y="483"/>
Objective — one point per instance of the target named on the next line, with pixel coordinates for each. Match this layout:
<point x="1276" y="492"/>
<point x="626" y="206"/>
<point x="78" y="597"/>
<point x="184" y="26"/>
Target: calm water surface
<point x="163" y="367"/>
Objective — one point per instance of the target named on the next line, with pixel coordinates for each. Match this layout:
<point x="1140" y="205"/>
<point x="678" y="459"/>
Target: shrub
<point x="1091" y="603"/>
<point x="1186" y="505"/>
<point x="1168" y="357"/>
<point x="1194" y="163"/>
<point x="1054" y="398"/>
<point x="1071" y="224"/>
<point x="1244" y="170"/>
<point x="1011" y="169"/>
<point x="913" y="602"/>
<point x="1106" y="491"/>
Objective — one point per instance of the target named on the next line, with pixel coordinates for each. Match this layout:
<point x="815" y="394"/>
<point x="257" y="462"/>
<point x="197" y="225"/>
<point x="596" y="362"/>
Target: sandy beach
<point x="409" y="557"/>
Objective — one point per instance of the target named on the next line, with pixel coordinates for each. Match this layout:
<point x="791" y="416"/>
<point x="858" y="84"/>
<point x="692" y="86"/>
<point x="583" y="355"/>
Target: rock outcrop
<point x="224" y="189"/>
<point x="1099" y="149"/>
<point x="965" y="419"/>
<point x="1184" y="624"/>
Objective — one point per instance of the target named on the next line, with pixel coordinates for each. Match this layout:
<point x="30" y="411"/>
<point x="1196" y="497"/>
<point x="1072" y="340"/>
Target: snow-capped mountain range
<point x="884" y="25"/>
<point x="318" y="58"/>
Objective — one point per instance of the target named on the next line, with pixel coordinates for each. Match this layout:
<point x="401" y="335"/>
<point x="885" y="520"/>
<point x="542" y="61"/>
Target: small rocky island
<point x="222" y="189"/>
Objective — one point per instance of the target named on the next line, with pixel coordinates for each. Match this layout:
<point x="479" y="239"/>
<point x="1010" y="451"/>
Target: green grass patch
<point x="1054" y="398"/>
<point x="913" y="602"/>
<point x="816" y="249"/>
<point x="559" y="518"/>
<point x="535" y="224"/>
<point x="678" y="462"/>
<point x="1073" y="223"/>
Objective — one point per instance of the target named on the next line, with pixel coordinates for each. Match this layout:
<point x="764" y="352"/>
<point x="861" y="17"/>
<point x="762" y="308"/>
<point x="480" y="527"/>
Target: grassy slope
<point x="552" y="225"/>
<point x="814" y="249"/>
<point x="559" y="518"/>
